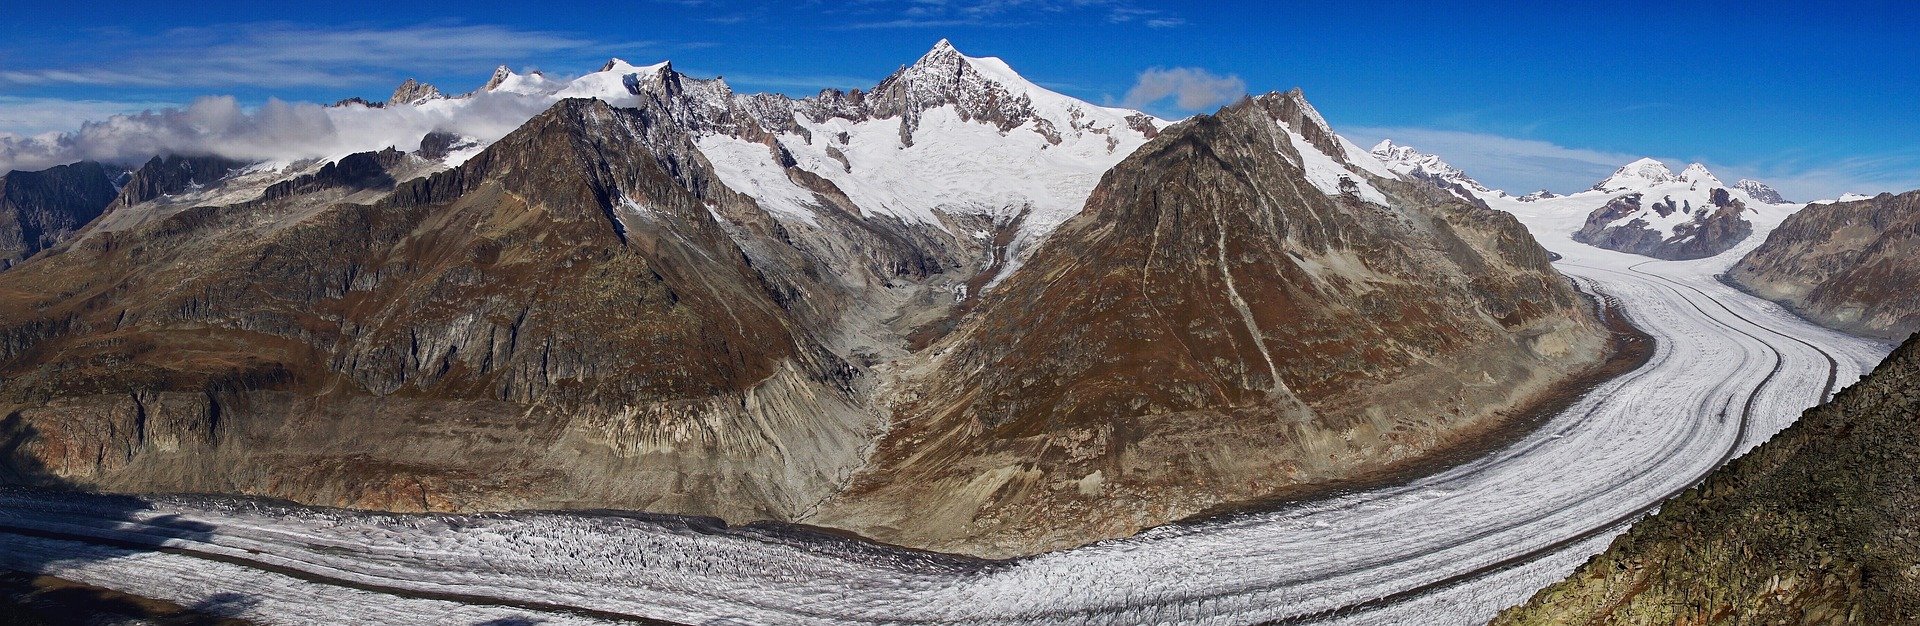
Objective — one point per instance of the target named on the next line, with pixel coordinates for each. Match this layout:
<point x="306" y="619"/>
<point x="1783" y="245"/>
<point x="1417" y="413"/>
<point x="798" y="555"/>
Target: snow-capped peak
<point x="1406" y="161"/>
<point x="1642" y="174"/>
<point x="414" y="92"/>
<point x="1760" y="191"/>
<point x="500" y="75"/>
<point x="1697" y="174"/>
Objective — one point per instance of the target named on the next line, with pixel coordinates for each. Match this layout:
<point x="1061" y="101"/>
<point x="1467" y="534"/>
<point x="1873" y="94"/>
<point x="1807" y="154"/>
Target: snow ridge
<point x="1408" y="161"/>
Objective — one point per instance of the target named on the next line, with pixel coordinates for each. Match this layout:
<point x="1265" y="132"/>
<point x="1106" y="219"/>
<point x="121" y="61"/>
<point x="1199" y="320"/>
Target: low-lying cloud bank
<point x="276" y="131"/>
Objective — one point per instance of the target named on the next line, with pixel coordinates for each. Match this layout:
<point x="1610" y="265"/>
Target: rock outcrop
<point x="40" y="209"/>
<point x="1632" y="223"/>
<point x="1854" y="266"/>
<point x="414" y="92"/>
<point x="172" y="174"/>
<point x="1815" y="526"/>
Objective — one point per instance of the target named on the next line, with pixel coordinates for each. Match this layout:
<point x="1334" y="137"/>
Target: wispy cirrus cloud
<point x="33" y="116"/>
<point x="873" y="14"/>
<point x="280" y="55"/>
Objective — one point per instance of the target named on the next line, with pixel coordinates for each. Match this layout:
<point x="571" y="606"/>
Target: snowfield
<point x="1729" y="371"/>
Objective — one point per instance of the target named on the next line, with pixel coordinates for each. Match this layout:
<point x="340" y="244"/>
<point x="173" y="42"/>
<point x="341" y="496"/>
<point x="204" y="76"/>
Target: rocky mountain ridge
<point x="1847" y="265"/>
<point x="1412" y="162"/>
<point x="41" y="209"/>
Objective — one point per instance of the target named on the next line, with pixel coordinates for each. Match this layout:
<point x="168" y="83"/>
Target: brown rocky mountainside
<point x="585" y="315"/>
<point x="1212" y="328"/>
<point x="558" y="321"/>
<point x="40" y="209"/>
<point x="1816" y="526"/>
<point x="1854" y="266"/>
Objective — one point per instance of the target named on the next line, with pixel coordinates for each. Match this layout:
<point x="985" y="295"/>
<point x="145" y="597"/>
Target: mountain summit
<point x="1411" y="162"/>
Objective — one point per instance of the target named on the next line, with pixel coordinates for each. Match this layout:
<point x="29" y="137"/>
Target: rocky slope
<point x="660" y="294"/>
<point x="1813" y="527"/>
<point x="40" y="209"/>
<point x="1847" y="265"/>
<point x="559" y="321"/>
<point x="1237" y="312"/>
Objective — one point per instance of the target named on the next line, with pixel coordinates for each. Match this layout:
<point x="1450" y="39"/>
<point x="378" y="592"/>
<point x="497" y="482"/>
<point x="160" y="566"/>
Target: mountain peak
<point x="617" y="64"/>
<point x="1639" y="174"/>
<point x="414" y="92"/>
<point x="1407" y="161"/>
<point x="942" y="56"/>
<point x="1760" y="191"/>
<point x="500" y="75"/>
<point x="1698" y="174"/>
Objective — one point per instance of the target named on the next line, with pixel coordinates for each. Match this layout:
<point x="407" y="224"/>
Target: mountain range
<point x="957" y="311"/>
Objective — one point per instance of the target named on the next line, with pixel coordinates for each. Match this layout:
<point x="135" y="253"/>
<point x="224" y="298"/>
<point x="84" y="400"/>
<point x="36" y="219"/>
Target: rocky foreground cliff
<point x="1816" y="526"/>
<point x="1847" y="265"/>
<point x="882" y="311"/>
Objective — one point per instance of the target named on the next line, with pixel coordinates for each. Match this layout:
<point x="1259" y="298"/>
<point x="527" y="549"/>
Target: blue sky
<point x="1522" y="95"/>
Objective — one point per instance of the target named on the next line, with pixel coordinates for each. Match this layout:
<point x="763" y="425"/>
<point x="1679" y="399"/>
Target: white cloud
<point x="1191" y="88"/>
<point x="279" y="130"/>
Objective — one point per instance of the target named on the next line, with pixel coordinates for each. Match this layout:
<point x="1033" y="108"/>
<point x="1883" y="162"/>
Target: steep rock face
<point x="172" y="174"/>
<point x="414" y="92"/>
<point x="1216" y="327"/>
<point x="40" y="209"/>
<point x="560" y="320"/>
<point x="1847" y="265"/>
<point x="1630" y="223"/>
<point x="1813" y="527"/>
